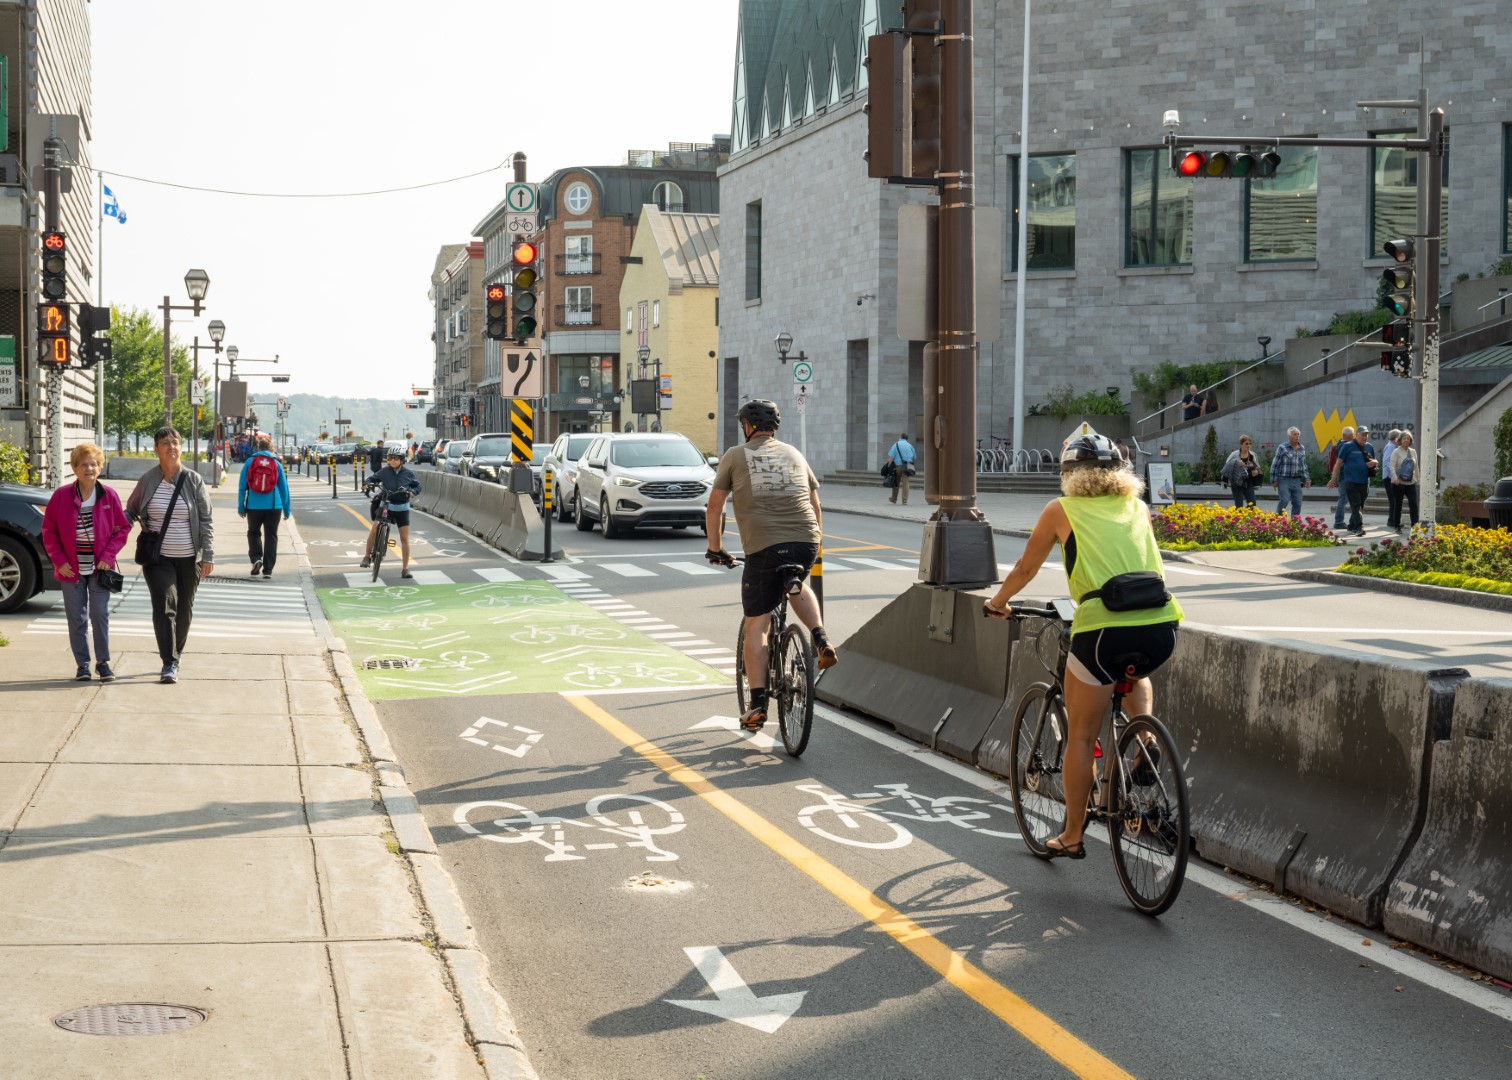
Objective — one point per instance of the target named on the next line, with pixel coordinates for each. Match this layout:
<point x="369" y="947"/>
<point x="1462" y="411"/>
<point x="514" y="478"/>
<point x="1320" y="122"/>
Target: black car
<point x="426" y="455"/>
<point x="25" y="569"/>
<point x="490" y="454"/>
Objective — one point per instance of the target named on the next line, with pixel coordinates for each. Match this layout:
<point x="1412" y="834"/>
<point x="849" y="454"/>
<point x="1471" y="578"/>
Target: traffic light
<point x="1240" y="165"/>
<point x="93" y="320"/>
<point x="54" y="265"/>
<point x="525" y="257"/>
<point x="52" y="333"/>
<point x="1396" y="358"/>
<point x="496" y="312"/>
<point x="1399" y="278"/>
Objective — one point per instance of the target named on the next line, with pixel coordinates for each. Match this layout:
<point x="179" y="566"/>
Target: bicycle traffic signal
<point x="526" y="257"/>
<point x="54" y="265"/>
<point x="496" y="312"/>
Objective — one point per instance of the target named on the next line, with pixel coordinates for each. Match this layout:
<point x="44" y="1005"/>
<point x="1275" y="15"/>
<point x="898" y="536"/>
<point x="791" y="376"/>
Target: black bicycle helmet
<point x="1090" y="451"/>
<point x="761" y="414"/>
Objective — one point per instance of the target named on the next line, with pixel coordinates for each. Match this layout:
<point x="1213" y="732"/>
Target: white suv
<point x="641" y="478"/>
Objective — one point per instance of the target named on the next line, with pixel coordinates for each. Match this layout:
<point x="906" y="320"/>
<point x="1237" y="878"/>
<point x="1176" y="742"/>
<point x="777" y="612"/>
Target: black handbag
<point x="1131" y="592"/>
<point x="110" y="580"/>
<point x="149" y="544"/>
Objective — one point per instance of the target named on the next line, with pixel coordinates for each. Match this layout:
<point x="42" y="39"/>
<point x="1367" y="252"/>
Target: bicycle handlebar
<point x="1019" y="609"/>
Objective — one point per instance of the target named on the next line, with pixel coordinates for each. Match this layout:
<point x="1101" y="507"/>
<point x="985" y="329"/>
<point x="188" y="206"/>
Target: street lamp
<point x="784" y="342"/>
<point x="1264" y="346"/>
<point x="217" y="331"/>
<point x="196" y="284"/>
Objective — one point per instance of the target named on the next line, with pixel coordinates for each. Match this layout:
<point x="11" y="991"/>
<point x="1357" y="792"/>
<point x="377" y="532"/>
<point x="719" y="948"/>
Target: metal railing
<point x="1213" y="386"/>
<point x="591" y="315"/>
<point x="1342" y="348"/>
<point x="591" y="263"/>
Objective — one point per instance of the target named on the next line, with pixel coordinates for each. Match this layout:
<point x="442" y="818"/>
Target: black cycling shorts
<point x="760" y="585"/>
<point x="1097" y="651"/>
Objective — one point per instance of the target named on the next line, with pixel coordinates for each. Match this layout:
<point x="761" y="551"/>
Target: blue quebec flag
<point x="112" y="208"/>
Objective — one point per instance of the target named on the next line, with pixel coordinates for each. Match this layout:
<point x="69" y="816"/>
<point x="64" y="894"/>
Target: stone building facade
<point x="457" y="299"/>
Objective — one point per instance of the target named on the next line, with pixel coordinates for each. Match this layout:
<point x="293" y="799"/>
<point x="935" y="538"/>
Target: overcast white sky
<point x="339" y="96"/>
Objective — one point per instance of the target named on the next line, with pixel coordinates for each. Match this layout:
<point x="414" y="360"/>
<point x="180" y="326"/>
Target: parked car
<point x="25" y="569"/>
<point x="341" y="453"/>
<point x="456" y="451"/>
<point x="425" y="455"/>
<point x="630" y="479"/>
<point x="488" y="454"/>
<point x="563" y="458"/>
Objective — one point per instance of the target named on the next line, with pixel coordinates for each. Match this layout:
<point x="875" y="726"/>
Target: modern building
<point x="586" y="221"/>
<point x="670" y="295"/>
<point x="456" y="295"/>
<point x="45" y="65"/>
<point x="1128" y="263"/>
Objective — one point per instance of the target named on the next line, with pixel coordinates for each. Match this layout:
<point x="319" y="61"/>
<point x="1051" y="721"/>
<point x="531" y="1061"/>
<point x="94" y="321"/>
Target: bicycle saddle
<point x="793" y="576"/>
<point x="1128" y="663"/>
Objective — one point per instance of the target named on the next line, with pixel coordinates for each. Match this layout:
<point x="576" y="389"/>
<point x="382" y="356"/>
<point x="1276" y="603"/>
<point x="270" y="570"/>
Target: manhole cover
<point x="403" y="664"/>
<point x="130" y="1018"/>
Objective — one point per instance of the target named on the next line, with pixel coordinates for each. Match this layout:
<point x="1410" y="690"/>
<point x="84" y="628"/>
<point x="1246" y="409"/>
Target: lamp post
<point x="217" y="335"/>
<point x="784" y="342"/>
<point x="196" y="284"/>
<point x="1264" y="346"/>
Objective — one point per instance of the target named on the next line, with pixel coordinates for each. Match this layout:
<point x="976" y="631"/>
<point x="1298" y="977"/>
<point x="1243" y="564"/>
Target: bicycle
<point x="381" y="532"/>
<point x="791" y="673"/>
<point x="1141" y="797"/>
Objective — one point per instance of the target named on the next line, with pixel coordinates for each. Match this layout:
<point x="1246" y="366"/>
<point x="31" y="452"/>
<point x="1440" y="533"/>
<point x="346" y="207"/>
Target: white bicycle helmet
<point x="1090" y="451"/>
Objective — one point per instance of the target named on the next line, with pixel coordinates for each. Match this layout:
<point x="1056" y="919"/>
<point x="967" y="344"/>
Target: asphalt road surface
<point x="663" y="896"/>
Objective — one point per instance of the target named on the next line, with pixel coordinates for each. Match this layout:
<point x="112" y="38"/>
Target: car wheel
<point x="583" y="521"/>
<point x="606" y="521"/>
<point x="565" y="508"/>
<point x="18" y="575"/>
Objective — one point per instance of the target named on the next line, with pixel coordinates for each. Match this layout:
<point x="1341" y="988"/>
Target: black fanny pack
<point x="1131" y="592"/>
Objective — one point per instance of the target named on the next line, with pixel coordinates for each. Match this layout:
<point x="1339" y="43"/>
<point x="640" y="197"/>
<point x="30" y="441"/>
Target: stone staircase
<point x="1045" y="483"/>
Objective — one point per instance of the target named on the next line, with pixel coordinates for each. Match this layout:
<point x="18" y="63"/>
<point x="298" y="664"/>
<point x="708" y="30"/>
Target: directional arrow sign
<point x="734" y="1000"/>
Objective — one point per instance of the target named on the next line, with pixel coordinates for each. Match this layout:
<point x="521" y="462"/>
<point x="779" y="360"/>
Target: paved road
<point x="662" y="896"/>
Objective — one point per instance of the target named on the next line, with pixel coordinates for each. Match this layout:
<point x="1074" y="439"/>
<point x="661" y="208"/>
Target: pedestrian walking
<point x="375" y="459"/>
<point x="84" y="529"/>
<point x="1289" y="473"/>
<point x="262" y="500"/>
<point x="1404" y="478"/>
<point x="177" y="547"/>
<point x="1353" y="470"/>
<point x="1242" y="472"/>
<point x="902" y="454"/>
<point x="1393" y="493"/>
<point x="1331" y="463"/>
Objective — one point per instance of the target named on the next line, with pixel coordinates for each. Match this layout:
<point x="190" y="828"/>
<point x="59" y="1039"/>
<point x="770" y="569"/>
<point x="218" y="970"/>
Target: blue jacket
<point x="391" y="483"/>
<point x="277" y="499"/>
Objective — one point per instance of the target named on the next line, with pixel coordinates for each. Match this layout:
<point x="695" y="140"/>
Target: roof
<point x="688" y="243"/>
<point x="1498" y="356"/>
<point x="624" y="189"/>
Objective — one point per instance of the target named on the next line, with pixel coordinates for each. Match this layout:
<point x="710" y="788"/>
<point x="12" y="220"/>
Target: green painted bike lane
<point x="523" y="637"/>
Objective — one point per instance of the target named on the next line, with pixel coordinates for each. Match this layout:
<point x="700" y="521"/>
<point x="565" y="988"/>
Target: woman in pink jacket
<point x="85" y="528"/>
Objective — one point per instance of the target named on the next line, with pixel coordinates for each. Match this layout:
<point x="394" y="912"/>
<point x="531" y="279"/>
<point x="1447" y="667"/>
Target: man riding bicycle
<point x="395" y="485"/>
<point x="776" y="498"/>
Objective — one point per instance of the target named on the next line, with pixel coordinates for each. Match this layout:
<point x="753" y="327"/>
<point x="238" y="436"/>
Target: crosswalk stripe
<point x="696" y="641"/>
<point x="693" y="568"/>
<point x="362" y="580"/>
<point x="705" y="652"/>
<point x="432" y="577"/>
<point x="496" y="573"/>
<point x="563" y="573"/>
<point x="1172" y="568"/>
<point x="656" y="626"/>
<point x="625" y="616"/>
<point x="669" y="636"/>
<point x="878" y="564"/>
<point x="624" y="569"/>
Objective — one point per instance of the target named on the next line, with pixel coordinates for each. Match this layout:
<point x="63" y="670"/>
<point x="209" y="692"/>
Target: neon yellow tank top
<point x="1113" y="536"/>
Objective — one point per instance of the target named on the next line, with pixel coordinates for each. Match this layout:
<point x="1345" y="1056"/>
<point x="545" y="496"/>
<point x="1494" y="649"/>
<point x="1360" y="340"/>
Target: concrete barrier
<point x="446" y="503"/>
<point x="1453" y="894"/>
<point x="1307" y="764"/>
<point x="1028" y="663"/>
<point x="929" y="665"/>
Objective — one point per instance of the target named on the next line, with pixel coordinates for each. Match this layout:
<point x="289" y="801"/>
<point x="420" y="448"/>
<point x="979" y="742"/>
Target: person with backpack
<point x="902" y="455"/>
<point x="1404" y="478"/>
<point x="261" y="499"/>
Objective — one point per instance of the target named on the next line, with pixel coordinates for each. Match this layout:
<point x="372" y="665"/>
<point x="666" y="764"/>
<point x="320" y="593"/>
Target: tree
<point x="1210" y="463"/>
<point x="1503" y="440"/>
<point x="134" y="378"/>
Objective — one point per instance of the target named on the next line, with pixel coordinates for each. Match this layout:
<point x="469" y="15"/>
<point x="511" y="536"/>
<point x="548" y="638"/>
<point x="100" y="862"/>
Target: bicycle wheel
<point x="380" y="547"/>
<point x="1148" y="825"/>
<point x="740" y="671"/>
<point x="795" y="689"/>
<point x="1036" y="750"/>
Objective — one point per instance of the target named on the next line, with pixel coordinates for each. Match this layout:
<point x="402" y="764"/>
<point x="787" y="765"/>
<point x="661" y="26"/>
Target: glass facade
<point x="1393" y="194"/>
<point x="1158" y="211"/>
<point x="571" y="369"/>
<point x="1051" y="242"/>
<point x="1281" y="212"/>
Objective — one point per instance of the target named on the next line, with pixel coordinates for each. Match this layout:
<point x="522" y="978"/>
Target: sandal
<point x="1060" y="850"/>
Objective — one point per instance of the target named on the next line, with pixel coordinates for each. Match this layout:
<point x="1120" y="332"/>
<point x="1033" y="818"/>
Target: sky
<point x="331" y="96"/>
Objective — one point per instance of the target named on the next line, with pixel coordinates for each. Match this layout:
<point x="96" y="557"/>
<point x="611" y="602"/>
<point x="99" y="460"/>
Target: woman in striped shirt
<point x="187" y="551"/>
<point x="84" y="530"/>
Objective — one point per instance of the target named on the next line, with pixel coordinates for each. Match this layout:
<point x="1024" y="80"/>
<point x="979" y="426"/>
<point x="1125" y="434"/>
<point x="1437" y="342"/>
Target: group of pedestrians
<point x="85" y="528"/>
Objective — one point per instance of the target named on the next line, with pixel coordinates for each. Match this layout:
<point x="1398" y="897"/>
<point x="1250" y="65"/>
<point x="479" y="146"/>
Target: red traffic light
<point x="1191" y="163"/>
<point x="54" y="241"/>
<point x="495" y="293"/>
<point x="524" y="253"/>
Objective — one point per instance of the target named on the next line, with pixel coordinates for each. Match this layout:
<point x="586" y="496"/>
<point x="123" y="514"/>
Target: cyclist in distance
<point x="776" y="499"/>
<point x="1104" y="531"/>
<point x="397" y="485"/>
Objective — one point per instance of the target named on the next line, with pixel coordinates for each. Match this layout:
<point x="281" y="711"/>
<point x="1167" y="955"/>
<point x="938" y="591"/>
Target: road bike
<point x="791" y="673"/>
<point x="1141" y="796"/>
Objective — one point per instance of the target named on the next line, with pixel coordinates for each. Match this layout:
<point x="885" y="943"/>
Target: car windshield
<point x="649" y="453"/>
<point x="455" y="449"/>
<point x="492" y="448"/>
<point x="538" y="452"/>
<point x="576" y="445"/>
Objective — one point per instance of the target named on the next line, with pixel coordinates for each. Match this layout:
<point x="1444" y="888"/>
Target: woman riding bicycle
<point x="1104" y="532"/>
<point x="395" y="485"/>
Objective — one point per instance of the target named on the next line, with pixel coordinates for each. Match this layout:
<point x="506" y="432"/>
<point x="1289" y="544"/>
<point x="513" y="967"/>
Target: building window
<point x="1507" y="187"/>
<point x="1281" y="212"/>
<point x="1158" y="211"/>
<point x="1393" y="194"/>
<point x="571" y="369"/>
<point x="667" y="197"/>
<point x="579" y="198"/>
<point x="1052" y="212"/>
<point x="656" y="313"/>
<point x="579" y="305"/>
<point x="753" y="251"/>
<point x="579" y="255"/>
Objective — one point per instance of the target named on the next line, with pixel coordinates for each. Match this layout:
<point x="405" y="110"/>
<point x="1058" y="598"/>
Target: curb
<point x="490" y="1024"/>
<point x="1463" y="597"/>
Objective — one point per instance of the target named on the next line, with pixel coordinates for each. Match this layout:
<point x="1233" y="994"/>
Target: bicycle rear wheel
<point x="795" y="689"/>
<point x="740" y="669"/>
<point x="1148" y="826"/>
<point x="380" y="546"/>
<point x="1037" y="750"/>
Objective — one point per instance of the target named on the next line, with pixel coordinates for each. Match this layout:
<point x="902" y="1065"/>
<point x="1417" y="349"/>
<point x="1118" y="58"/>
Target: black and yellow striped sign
<point x="521" y="429"/>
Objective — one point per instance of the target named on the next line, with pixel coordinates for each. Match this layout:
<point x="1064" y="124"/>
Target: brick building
<point x="456" y="295"/>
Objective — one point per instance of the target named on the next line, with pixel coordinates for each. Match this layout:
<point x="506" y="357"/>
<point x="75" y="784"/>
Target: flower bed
<point x="1454" y="556"/>
<point x="1212" y="527"/>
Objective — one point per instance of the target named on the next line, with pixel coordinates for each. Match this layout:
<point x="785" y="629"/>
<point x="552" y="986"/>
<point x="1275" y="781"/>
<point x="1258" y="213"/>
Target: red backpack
<point x="262" y="474"/>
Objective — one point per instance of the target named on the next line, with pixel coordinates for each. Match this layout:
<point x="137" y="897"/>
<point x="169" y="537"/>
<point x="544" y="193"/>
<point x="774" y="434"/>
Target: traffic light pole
<point x="52" y="181"/>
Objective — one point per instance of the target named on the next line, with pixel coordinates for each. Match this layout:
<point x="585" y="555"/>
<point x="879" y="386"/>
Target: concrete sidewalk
<point x="242" y="844"/>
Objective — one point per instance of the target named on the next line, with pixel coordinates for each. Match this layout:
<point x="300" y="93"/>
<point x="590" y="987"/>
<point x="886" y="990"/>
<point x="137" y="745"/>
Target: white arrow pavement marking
<point x="735" y="1000"/>
<point x="759" y="739"/>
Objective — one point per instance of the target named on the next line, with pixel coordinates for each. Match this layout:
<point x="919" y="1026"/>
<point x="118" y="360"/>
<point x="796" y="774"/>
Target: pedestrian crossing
<point x="720" y="658"/>
<point x="222" y="609"/>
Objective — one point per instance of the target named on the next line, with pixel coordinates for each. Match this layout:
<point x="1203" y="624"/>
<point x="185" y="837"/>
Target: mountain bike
<point x="381" y="535"/>
<point x="791" y="674"/>
<point x="1141" y="794"/>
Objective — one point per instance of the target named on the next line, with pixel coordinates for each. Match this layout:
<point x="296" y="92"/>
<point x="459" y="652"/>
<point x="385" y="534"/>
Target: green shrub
<point x="1064" y="401"/>
<point x="1169" y="376"/>
<point x="1503" y="441"/>
<point x="1359" y="323"/>
<point x="14" y="468"/>
<point x="1183" y="472"/>
<point x="1502" y="267"/>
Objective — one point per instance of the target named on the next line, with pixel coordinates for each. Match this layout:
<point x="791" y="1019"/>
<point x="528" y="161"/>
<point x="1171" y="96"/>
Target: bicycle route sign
<point x="803" y="372"/>
<point x="520" y="201"/>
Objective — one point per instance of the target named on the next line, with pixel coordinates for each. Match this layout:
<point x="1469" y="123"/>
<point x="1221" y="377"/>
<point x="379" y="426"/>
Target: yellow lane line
<point x="960" y="972"/>
<point x="874" y="547"/>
